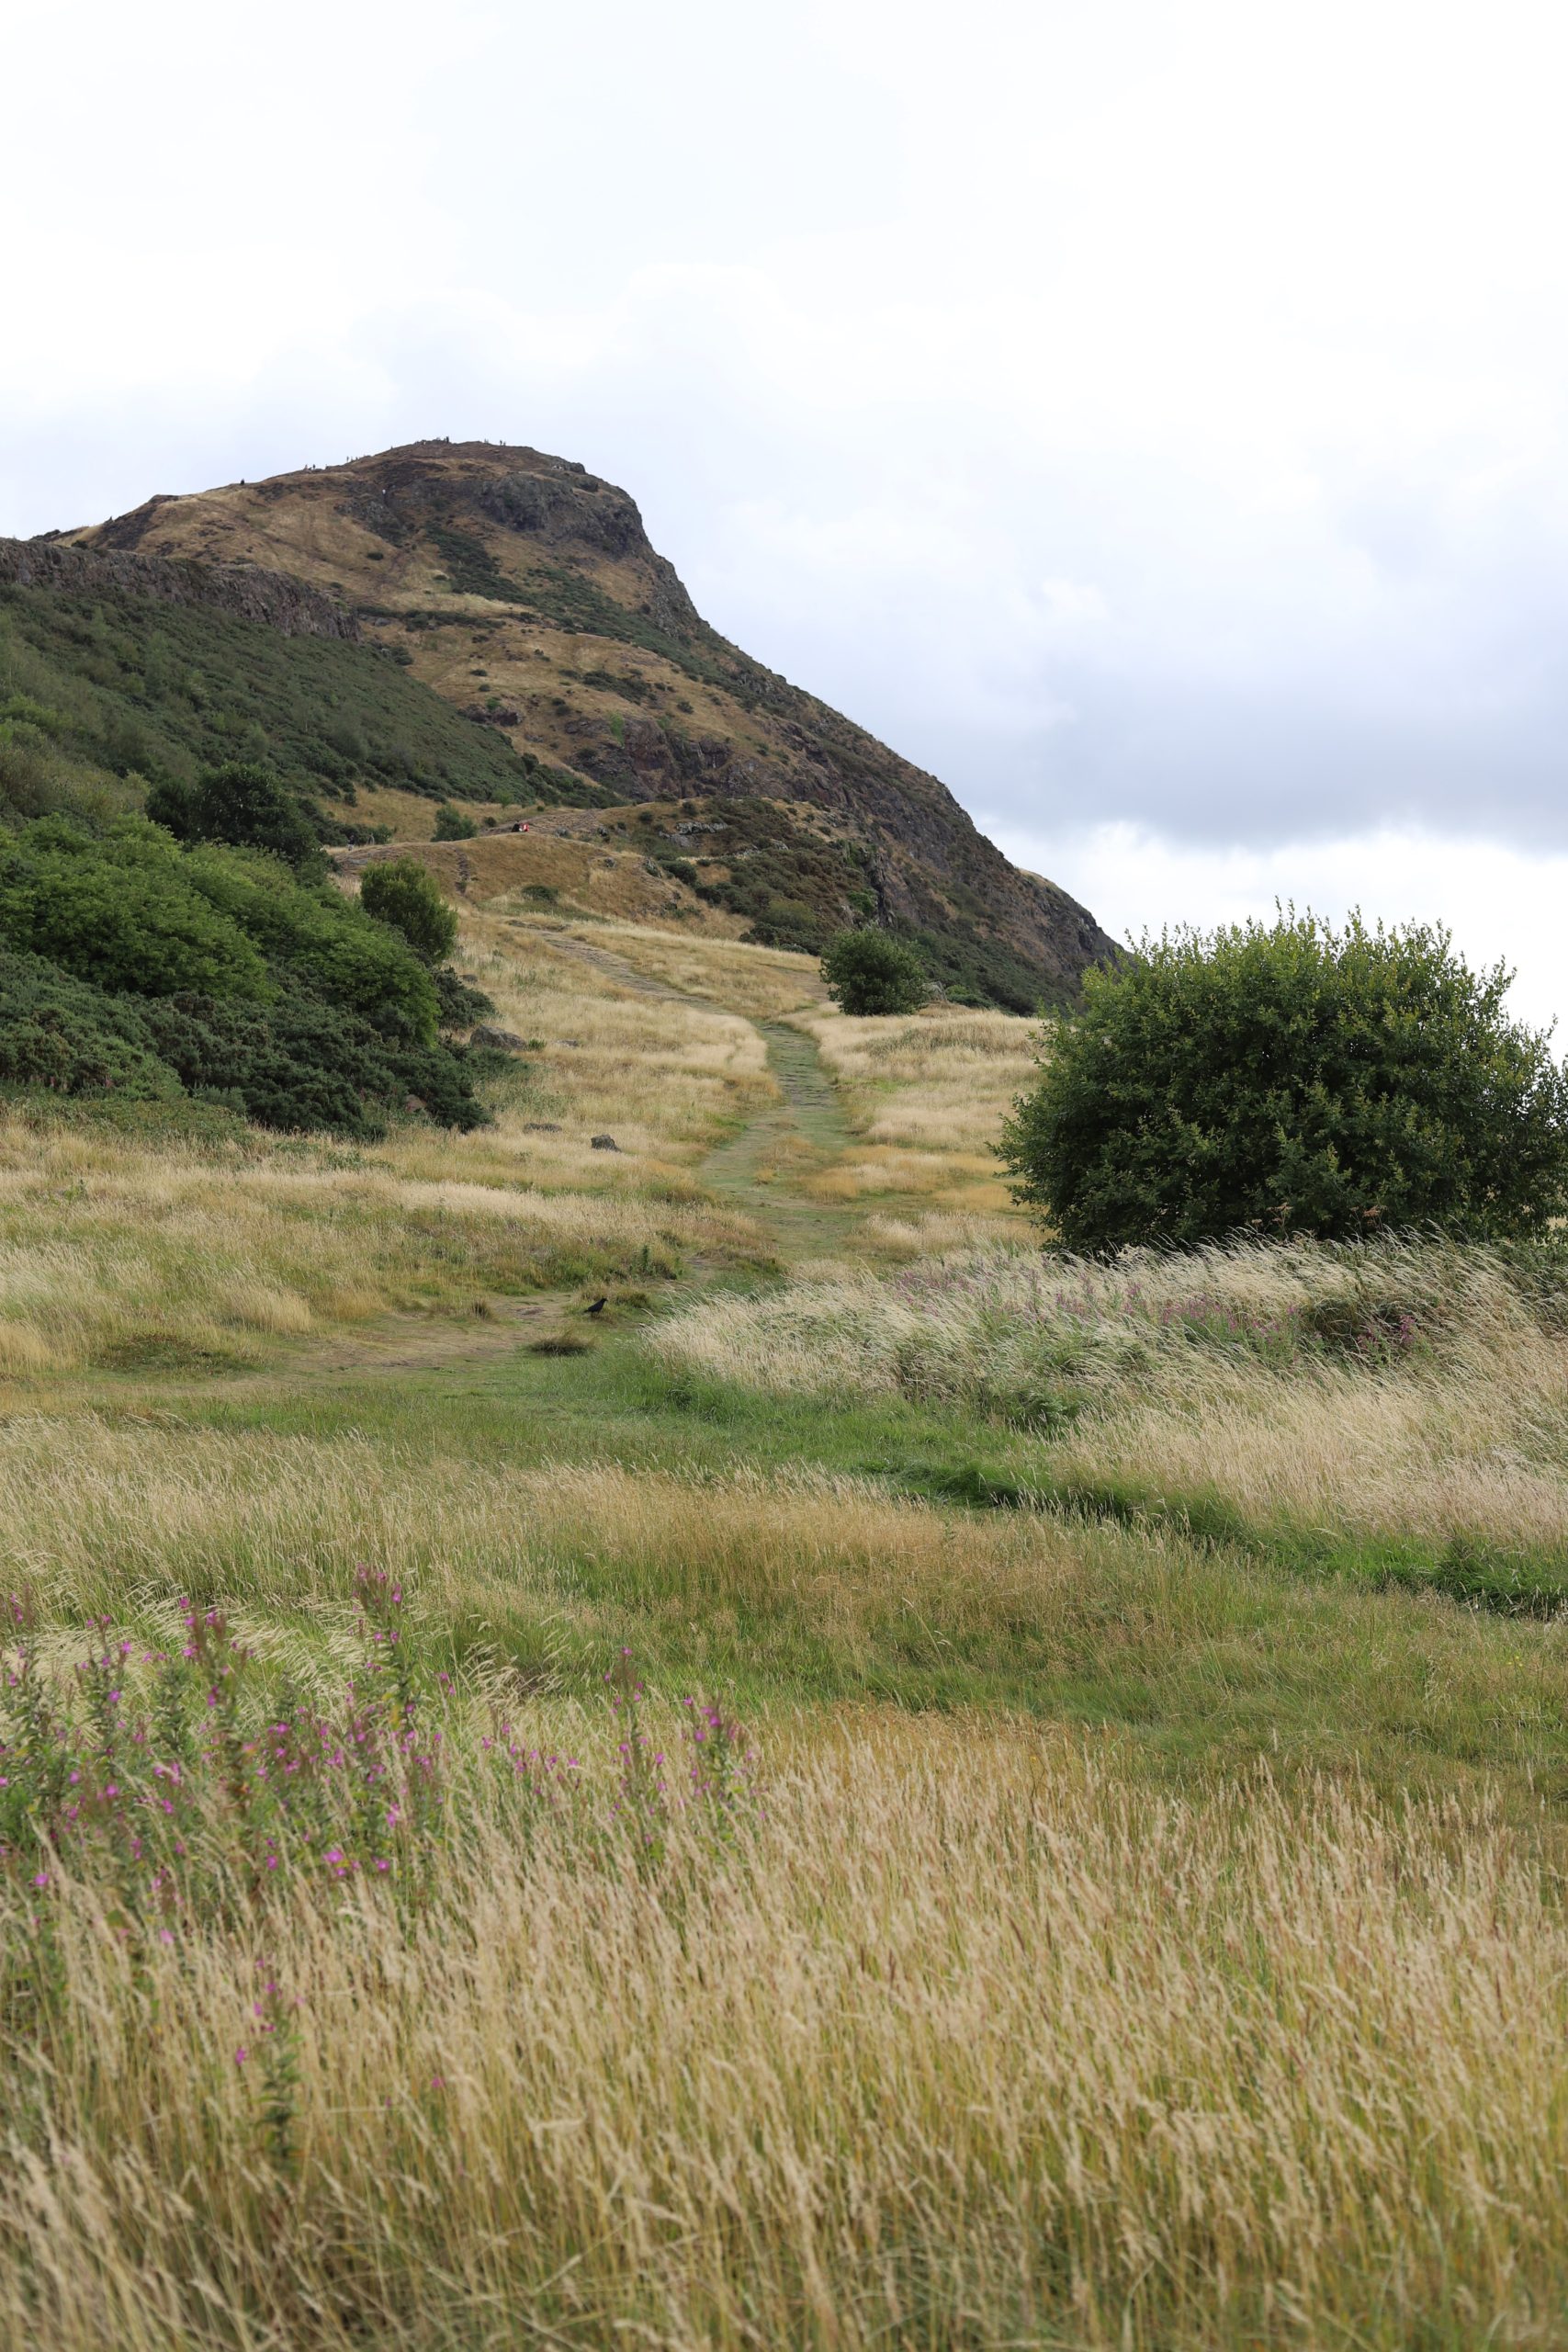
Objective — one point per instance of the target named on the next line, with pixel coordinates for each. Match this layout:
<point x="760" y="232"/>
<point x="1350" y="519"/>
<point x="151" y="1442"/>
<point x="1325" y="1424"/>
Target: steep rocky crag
<point x="525" y="589"/>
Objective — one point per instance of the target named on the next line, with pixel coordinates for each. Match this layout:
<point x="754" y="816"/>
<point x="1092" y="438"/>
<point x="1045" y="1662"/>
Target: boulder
<point x="604" y="1143"/>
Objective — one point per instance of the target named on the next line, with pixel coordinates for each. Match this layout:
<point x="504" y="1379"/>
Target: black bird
<point x="598" y="1306"/>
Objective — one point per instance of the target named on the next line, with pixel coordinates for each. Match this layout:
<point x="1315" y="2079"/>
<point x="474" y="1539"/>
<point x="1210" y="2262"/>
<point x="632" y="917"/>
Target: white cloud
<point x="1146" y="417"/>
<point x="1501" y="905"/>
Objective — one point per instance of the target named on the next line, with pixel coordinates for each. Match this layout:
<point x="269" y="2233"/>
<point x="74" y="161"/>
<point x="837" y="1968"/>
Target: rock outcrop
<point x="525" y="589"/>
<point x="281" y="602"/>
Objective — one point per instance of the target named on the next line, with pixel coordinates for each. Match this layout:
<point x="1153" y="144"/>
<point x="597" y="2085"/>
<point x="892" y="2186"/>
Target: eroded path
<point x="617" y="968"/>
<point x="754" y="1169"/>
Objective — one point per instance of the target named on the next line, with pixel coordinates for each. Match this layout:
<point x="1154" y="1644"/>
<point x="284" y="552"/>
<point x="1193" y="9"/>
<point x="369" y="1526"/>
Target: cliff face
<point x="525" y="589"/>
<point x="283" y="604"/>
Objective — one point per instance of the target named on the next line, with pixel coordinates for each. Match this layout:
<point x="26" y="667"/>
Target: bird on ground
<point x="598" y="1306"/>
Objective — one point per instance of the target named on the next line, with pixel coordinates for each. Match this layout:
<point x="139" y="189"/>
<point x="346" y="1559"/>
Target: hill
<point x="524" y="591"/>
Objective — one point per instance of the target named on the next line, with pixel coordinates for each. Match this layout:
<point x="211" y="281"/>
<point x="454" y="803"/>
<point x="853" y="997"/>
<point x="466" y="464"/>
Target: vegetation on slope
<point x="525" y="589"/>
<point x="1132" y="1916"/>
<point x="128" y="966"/>
<point x="119" y="687"/>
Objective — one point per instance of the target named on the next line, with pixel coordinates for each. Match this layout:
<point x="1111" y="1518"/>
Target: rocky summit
<point x="524" y="590"/>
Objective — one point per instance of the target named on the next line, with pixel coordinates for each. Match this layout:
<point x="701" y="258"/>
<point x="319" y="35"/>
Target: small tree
<point x="244" y="805"/>
<point x="405" y="895"/>
<point x="871" y="972"/>
<point x="454" y="824"/>
<point x="1289" y="1078"/>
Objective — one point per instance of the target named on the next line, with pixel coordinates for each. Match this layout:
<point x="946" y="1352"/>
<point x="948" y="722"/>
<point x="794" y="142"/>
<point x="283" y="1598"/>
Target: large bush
<point x="119" y="909"/>
<point x="871" y="972"/>
<point x="62" y="1034"/>
<point x="1292" y="1079"/>
<point x="301" y="1065"/>
<point x="313" y="931"/>
<point x="245" y="805"/>
<point x="401" y="892"/>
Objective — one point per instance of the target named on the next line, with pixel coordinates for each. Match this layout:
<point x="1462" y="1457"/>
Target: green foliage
<point x="128" y="682"/>
<point x="244" y="805"/>
<point x="120" y="911"/>
<point x="400" y="893"/>
<point x="452" y="825"/>
<point x="21" y="710"/>
<point x="59" y="1033"/>
<point x="302" y="1066"/>
<point x="1292" y="1079"/>
<point x="871" y="972"/>
<point x="320" y="936"/>
<point x="461" y="1003"/>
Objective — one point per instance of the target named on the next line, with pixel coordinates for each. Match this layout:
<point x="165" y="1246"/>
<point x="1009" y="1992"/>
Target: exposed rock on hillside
<point x="280" y="601"/>
<point x="525" y="590"/>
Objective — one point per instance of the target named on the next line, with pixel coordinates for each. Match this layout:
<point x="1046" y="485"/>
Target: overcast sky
<point x="1149" y="416"/>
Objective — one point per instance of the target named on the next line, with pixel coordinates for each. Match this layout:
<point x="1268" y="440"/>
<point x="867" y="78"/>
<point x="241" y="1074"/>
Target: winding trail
<point x="806" y="1123"/>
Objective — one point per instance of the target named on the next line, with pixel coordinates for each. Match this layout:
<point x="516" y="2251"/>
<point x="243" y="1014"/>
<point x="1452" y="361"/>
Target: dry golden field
<point x="881" y="1789"/>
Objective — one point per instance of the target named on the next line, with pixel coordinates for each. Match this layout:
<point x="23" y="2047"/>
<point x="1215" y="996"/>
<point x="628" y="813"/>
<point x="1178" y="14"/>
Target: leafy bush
<point x="1292" y="1079"/>
<point x="119" y="909"/>
<point x="461" y="1003"/>
<point x="322" y="937"/>
<point x="402" y="894"/>
<point x="869" y="972"/>
<point x="242" y="804"/>
<point x="59" y="1033"/>
<point x="452" y="825"/>
<point x="302" y="1066"/>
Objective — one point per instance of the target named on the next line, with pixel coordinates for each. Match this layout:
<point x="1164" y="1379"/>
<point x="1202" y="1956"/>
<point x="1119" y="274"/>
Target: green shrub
<point x="870" y="972"/>
<point x="57" y="1033"/>
<point x="325" y="939"/>
<point x="402" y="894"/>
<point x="21" y="709"/>
<point x="119" y="909"/>
<point x="303" y="1066"/>
<point x="244" y="805"/>
<point x="452" y="825"/>
<point x="461" y="1003"/>
<point x="1292" y="1079"/>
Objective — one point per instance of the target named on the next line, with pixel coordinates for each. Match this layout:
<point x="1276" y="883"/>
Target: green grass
<point x="1202" y="1647"/>
<point x="139" y="686"/>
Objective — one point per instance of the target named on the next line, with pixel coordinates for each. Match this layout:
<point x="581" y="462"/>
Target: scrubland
<point x="899" y="1791"/>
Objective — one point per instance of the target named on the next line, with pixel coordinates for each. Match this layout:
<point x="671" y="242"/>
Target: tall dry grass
<point x="793" y="1583"/>
<point x="115" y="1251"/>
<point x="943" y="1078"/>
<point x="763" y="983"/>
<point x="926" y="1095"/>
<point x="664" y="1076"/>
<point x="1407" y="1390"/>
<point x="114" y="1248"/>
<point x="956" y="2039"/>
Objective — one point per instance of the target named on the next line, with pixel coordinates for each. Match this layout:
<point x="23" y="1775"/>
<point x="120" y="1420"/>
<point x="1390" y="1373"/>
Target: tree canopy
<point x="1291" y="1078"/>
<point x="869" y="971"/>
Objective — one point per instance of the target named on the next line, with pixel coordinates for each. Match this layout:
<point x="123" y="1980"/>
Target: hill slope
<point x="525" y="590"/>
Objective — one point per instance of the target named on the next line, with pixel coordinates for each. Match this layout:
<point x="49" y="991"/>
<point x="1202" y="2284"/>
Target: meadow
<point x="880" y="1789"/>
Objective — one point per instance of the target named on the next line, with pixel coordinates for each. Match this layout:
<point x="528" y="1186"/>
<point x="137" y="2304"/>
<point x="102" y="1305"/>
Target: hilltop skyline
<point x="1154" y="429"/>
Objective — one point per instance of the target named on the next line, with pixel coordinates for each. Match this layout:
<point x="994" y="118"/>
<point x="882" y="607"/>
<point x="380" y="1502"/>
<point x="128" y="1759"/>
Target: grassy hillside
<point x="123" y="686"/>
<point x="525" y="590"/>
<point x="865" y="1791"/>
